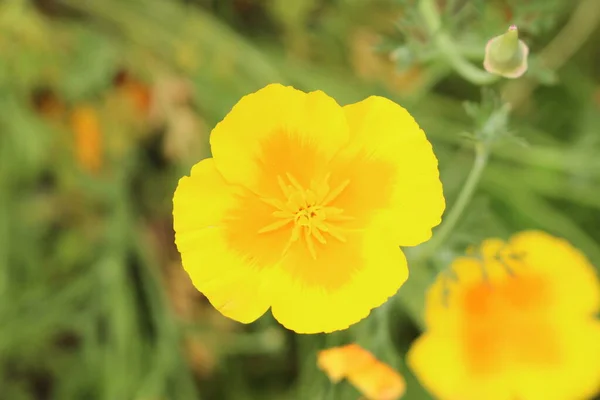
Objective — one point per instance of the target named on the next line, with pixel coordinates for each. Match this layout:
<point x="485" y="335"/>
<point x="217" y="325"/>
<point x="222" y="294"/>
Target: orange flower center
<point x="302" y="201"/>
<point x="308" y="212"/>
<point x="508" y="322"/>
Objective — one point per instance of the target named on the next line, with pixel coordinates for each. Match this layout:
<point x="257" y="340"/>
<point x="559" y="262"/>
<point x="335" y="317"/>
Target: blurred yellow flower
<point x="516" y="321"/>
<point x="88" y="137"/>
<point x="374" y="379"/>
<point x="303" y="206"/>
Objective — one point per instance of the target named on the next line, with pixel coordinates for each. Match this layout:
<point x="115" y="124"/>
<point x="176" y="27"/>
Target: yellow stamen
<point x="307" y="212"/>
<point x="275" y="225"/>
<point x="335" y="193"/>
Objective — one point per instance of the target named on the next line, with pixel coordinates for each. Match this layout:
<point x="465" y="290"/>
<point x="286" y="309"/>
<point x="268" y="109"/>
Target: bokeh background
<point x="104" y="104"/>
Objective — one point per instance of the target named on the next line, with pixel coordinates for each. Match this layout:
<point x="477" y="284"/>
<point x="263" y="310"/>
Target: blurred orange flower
<point x="515" y="321"/>
<point x="375" y="67"/>
<point x="88" y="137"/>
<point x="48" y="104"/>
<point x="138" y="93"/>
<point x="303" y="206"/>
<point x="373" y="378"/>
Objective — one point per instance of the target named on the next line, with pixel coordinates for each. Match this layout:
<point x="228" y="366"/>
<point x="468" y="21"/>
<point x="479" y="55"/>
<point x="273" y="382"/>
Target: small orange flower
<point x="138" y="93"/>
<point x="303" y="205"/>
<point x="88" y="137"/>
<point x="374" y="379"/>
<point x="48" y="104"/>
<point x="517" y="321"/>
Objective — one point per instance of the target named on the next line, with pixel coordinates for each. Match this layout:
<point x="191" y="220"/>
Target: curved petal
<point x="378" y="381"/>
<point x="568" y="269"/>
<point x="441" y="308"/>
<point x="373" y="378"/>
<point x="337" y="292"/>
<point x="521" y="314"/>
<point x="438" y="363"/>
<point x="338" y="362"/>
<point x="576" y="376"/>
<point x="382" y="132"/>
<point x="232" y="283"/>
<point x="248" y="142"/>
<point x="445" y="297"/>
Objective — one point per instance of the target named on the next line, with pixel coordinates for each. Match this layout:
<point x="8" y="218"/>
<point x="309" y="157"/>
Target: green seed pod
<point x="506" y="55"/>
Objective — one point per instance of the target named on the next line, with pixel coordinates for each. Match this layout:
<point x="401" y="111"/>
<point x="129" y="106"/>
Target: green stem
<point x="581" y="25"/>
<point x="4" y="214"/>
<point x="431" y="15"/>
<point x="464" y="197"/>
<point x="7" y="201"/>
<point x="464" y="68"/>
<point x="448" y="48"/>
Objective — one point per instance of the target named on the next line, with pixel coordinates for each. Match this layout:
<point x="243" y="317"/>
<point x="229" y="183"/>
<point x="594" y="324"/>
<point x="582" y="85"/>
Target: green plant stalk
<point x="464" y="197"/>
<point x="581" y="25"/>
<point x="448" y="48"/>
<point x="4" y="213"/>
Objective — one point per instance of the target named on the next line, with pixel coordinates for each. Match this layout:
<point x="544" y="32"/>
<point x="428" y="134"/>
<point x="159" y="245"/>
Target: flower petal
<point x="373" y="378"/>
<point x="383" y="131"/>
<point x="254" y="128"/>
<point x="438" y="363"/>
<point x="519" y="316"/>
<point x="337" y="362"/>
<point x="333" y="293"/>
<point x="444" y="297"/>
<point x="573" y="273"/>
<point x="378" y="381"/>
<point x="232" y="283"/>
<point x="577" y="376"/>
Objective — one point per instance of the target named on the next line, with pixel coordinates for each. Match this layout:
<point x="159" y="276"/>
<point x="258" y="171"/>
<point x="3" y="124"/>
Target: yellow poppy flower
<point x="303" y="206"/>
<point x="374" y="379"/>
<point x="516" y="321"/>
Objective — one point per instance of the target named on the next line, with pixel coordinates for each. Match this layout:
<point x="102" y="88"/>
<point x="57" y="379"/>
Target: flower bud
<point x="506" y="55"/>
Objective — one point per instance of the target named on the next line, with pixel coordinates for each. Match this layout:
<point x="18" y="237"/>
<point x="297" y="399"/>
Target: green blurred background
<point x="104" y="104"/>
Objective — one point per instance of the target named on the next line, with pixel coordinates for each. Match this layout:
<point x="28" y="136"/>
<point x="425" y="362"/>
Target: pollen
<point x="308" y="213"/>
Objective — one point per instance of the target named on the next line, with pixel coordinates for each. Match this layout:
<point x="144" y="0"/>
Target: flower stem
<point x="5" y="214"/>
<point x="581" y="25"/>
<point x="464" y="197"/>
<point x="449" y="50"/>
